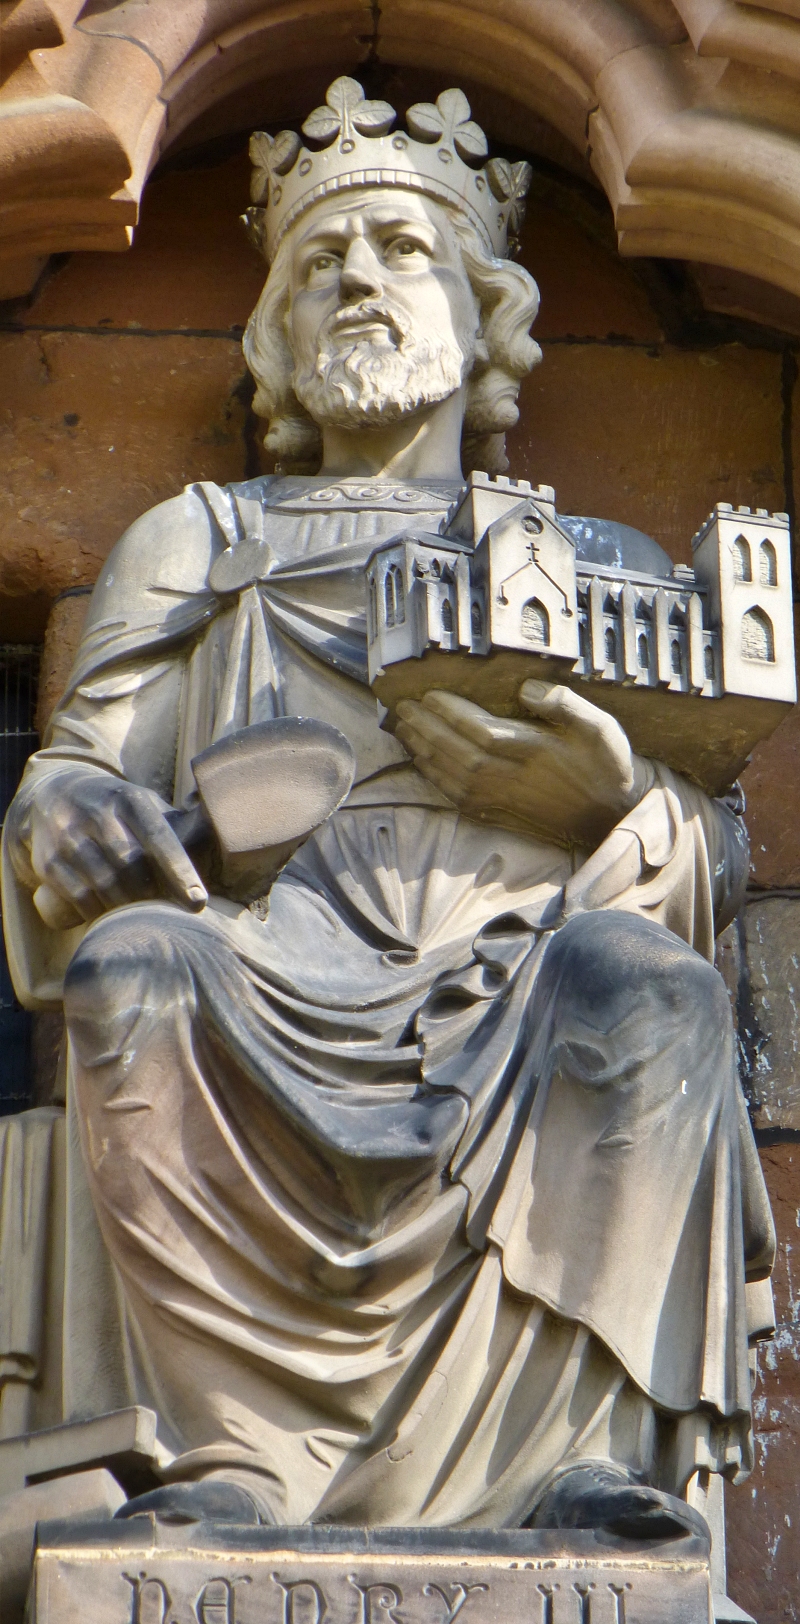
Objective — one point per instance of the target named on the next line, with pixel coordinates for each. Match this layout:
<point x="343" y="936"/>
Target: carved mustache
<point x="365" y="315"/>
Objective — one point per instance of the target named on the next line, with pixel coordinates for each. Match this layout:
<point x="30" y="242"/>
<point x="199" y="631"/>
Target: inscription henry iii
<point x="166" y="1587"/>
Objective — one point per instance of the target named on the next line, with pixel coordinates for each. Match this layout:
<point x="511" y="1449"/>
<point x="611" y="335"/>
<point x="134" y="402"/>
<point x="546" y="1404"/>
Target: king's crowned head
<point x="392" y="312"/>
<point x="443" y="154"/>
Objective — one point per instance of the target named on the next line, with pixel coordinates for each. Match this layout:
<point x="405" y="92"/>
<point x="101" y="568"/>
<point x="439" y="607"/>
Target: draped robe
<point x="380" y="1212"/>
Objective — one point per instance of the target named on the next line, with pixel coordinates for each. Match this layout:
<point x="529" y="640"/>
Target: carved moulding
<point x="686" y="111"/>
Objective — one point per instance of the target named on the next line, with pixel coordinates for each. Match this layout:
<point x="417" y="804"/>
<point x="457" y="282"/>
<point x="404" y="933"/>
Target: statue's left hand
<point x="568" y="774"/>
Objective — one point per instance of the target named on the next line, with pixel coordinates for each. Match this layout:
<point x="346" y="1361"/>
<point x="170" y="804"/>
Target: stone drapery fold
<point x="398" y="1051"/>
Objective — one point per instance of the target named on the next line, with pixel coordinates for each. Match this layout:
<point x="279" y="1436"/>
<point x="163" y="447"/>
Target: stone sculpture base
<point x="140" y="1572"/>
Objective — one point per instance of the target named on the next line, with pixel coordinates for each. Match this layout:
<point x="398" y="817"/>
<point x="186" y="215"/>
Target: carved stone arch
<point x="758" y="635"/>
<point x="742" y="560"/>
<point x="535" y="623"/>
<point x="767" y="564"/>
<point x="682" y="108"/>
<point x="394" y="601"/>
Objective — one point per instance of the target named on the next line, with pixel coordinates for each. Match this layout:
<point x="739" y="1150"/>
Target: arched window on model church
<point x="758" y="637"/>
<point x="767" y="564"/>
<point x="372" y="609"/>
<point x="536" y="623"/>
<point x="742" y="563"/>
<point x="394" y="596"/>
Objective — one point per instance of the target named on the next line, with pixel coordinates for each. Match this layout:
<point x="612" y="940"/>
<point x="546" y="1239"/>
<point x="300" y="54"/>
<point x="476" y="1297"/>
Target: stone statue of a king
<point x="418" y="1190"/>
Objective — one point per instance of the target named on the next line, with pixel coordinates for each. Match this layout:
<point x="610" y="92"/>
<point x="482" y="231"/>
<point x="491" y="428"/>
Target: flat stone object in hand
<point x="265" y="788"/>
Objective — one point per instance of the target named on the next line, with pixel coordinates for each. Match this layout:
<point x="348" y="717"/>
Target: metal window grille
<point x="19" y="675"/>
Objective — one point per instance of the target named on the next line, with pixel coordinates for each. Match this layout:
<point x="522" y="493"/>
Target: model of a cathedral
<point x="503" y="583"/>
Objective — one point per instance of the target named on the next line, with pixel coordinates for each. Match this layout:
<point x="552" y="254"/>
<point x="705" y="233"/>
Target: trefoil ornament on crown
<point x="441" y="155"/>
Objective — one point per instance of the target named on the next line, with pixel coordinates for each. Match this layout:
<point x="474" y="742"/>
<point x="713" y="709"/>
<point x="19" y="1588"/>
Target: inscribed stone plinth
<point x="220" y="1574"/>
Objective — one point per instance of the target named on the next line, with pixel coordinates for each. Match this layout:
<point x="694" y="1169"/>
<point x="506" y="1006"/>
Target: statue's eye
<point x="322" y="268"/>
<point x="414" y="250"/>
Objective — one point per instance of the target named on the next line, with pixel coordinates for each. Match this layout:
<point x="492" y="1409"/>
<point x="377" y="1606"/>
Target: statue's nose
<point x="361" y="272"/>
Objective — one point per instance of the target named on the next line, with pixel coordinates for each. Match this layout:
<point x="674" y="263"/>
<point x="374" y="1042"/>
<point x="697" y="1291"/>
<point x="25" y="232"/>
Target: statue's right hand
<point x="89" y="843"/>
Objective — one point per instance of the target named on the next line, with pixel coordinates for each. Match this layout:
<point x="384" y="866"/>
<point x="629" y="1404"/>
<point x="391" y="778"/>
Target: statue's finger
<point x="60" y="880"/>
<point x="484" y="729"/>
<point x="95" y="877"/>
<point x="442" y="777"/>
<point x="495" y="776"/>
<point x="119" y="844"/>
<point x="560" y="706"/>
<point x="124" y="856"/>
<point x="165" y="851"/>
<point x="460" y="711"/>
<point x="464" y="716"/>
<point x="54" y="911"/>
<point x="103" y="878"/>
<point x="426" y="734"/>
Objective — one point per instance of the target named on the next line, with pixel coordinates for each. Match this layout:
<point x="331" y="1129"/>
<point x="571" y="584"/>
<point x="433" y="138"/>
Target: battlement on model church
<point x="503" y="581"/>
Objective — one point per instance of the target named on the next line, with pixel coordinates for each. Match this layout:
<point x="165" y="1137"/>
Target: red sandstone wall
<point x="124" y="379"/>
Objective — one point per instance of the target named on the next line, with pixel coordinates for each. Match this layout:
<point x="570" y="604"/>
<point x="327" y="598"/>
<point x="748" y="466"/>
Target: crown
<point x="441" y="156"/>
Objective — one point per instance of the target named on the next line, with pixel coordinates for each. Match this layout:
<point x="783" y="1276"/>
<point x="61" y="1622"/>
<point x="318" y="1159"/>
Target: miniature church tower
<point x="743" y="561"/>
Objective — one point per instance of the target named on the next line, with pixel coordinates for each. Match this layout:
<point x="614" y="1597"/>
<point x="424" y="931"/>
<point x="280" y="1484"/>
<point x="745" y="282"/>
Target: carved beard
<point x="356" y="381"/>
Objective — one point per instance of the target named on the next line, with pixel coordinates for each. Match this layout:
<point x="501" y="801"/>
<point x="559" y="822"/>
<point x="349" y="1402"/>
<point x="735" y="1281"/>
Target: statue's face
<point x="383" y="320"/>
